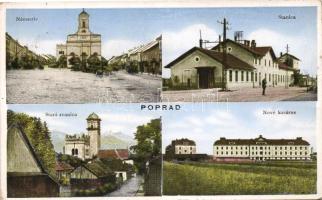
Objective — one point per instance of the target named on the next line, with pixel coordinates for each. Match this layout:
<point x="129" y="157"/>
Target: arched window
<point x="83" y="24"/>
<point x="73" y="152"/>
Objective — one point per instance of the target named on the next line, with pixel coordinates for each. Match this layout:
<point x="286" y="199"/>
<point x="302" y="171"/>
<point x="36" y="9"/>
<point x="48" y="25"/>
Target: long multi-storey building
<point x="145" y="58"/>
<point x="246" y="65"/>
<point x="15" y="50"/>
<point x="261" y="148"/>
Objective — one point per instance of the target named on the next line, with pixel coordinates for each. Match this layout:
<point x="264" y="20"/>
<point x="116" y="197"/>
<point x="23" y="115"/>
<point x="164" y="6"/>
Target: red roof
<point x="121" y="154"/>
<point x="285" y="66"/>
<point x="61" y="166"/>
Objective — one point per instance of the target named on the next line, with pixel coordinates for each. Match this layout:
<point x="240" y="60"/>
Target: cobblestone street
<point x="65" y="86"/>
<point x="241" y="95"/>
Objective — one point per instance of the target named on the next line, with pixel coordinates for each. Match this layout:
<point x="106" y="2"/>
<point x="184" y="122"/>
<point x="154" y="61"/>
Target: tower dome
<point x="84" y="13"/>
<point x="93" y="116"/>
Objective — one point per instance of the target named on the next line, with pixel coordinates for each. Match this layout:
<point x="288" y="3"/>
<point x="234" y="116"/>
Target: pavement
<point x="64" y="86"/>
<point x="239" y="95"/>
<point x="129" y="188"/>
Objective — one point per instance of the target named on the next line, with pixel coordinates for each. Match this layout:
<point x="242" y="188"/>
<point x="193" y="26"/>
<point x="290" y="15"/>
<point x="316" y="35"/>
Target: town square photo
<point x="240" y="54"/>
<point x="83" y="55"/>
<point x="240" y="149"/>
<point x="78" y="150"/>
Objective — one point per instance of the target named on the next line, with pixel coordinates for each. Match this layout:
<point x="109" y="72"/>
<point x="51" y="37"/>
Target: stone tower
<point x="83" y="23"/>
<point x="94" y="132"/>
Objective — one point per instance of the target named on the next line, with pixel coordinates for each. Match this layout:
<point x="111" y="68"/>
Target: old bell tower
<point x="94" y="132"/>
<point x="83" y="23"/>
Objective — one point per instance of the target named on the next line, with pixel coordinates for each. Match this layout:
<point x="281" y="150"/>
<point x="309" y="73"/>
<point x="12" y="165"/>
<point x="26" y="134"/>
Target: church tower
<point x="83" y="23"/>
<point x="94" y="132"/>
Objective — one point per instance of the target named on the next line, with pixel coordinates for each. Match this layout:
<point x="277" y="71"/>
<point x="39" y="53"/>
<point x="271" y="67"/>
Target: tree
<point x="62" y="62"/>
<point x="148" y="146"/>
<point x="39" y="137"/>
<point x="94" y="63"/>
<point x="75" y="62"/>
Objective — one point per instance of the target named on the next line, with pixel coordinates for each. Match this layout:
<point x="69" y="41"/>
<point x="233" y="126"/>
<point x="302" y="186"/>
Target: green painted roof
<point x="93" y="116"/>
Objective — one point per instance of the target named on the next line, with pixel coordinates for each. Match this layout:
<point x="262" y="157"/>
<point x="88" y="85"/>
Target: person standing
<point x="264" y="85"/>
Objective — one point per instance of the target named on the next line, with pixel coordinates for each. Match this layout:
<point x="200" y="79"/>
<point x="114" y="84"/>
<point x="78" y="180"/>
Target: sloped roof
<point x="261" y="140"/>
<point x="232" y="61"/>
<point x="259" y="51"/>
<point x="121" y="154"/>
<point x="98" y="169"/>
<point x="62" y="166"/>
<point x="93" y="116"/>
<point x="285" y="66"/>
<point x="183" y="141"/>
<point x="290" y="55"/>
<point x="150" y="45"/>
<point x="29" y="146"/>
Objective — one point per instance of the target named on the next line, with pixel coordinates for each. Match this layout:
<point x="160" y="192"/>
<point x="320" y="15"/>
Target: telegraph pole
<point x="224" y="68"/>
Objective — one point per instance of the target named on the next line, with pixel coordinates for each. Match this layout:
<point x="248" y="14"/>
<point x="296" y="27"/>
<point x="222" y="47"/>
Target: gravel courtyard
<point x="66" y="86"/>
<point x="241" y="95"/>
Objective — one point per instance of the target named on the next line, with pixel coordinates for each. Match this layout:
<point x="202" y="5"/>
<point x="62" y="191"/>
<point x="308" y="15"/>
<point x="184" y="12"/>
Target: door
<point x="206" y="77"/>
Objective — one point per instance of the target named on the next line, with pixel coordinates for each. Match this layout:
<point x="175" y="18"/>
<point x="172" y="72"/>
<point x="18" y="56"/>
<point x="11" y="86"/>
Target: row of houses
<point x="257" y="149"/>
<point x="245" y="65"/>
<point x="145" y="58"/>
<point x="15" y="50"/>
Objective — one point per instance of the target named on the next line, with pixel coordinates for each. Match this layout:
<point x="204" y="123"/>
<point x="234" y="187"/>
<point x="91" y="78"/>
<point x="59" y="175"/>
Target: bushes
<point x="175" y="84"/>
<point x="101" y="190"/>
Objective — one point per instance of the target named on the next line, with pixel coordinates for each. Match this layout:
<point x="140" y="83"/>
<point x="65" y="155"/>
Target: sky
<point x="206" y="123"/>
<point x="123" y="29"/>
<point x="115" y="117"/>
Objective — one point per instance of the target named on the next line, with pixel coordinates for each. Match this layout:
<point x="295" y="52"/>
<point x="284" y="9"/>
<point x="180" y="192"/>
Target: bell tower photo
<point x="94" y="132"/>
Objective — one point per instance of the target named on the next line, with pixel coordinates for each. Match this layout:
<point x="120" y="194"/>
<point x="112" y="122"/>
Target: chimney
<point x="299" y="138"/>
<point x="200" y="39"/>
<point x="253" y="44"/>
<point x="281" y="54"/>
<point x="222" y="138"/>
<point x="246" y="43"/>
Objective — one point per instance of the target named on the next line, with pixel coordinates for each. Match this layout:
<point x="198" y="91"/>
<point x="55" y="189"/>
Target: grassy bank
<point x="225" y="179"/>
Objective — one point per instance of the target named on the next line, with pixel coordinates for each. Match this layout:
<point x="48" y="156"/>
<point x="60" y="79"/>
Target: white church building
<point x="83" y="43"/>
<point x="85" y="146"/>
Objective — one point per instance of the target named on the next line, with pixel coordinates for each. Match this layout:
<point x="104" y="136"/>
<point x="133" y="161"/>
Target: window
<point x="269" y="63"/>
<point x="259" y="61"/>
<point x="242" y="76"/>
<point x="61" y="52"/>
<point x="230" y="75"/>
<point x="269" y="77"/>
<point x="83" y="24"/>
<point x="255" y="76"/>
<point x="247" y="76"/>
<point x="236" y="76"/>
<point x="252" y="76"/>
<point x="265" y="62"/>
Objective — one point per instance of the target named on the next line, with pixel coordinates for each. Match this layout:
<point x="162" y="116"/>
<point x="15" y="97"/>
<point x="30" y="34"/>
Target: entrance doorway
<point x="206" y="77"/>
